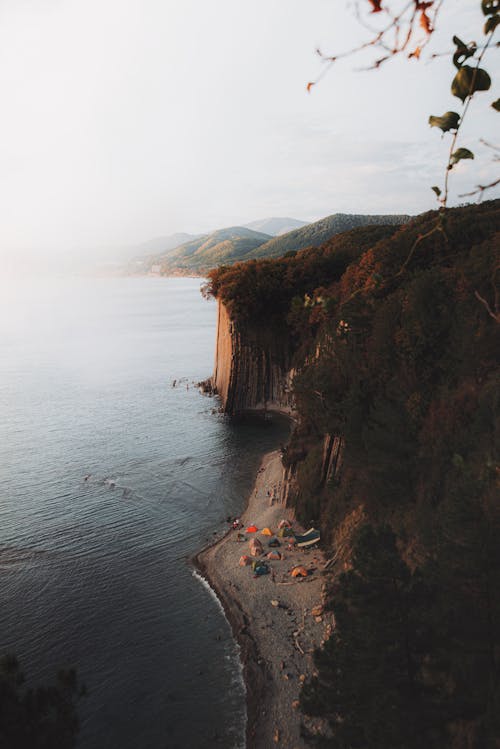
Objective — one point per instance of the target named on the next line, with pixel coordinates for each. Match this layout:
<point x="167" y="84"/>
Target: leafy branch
<point x="407" y="31"/>
<point x="467" y="82"/>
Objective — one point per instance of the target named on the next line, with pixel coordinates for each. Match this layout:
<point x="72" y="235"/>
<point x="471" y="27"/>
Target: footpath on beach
<point x="278" y="620"/>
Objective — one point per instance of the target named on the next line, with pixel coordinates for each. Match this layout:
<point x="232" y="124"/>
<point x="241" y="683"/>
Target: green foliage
<point x="402" y="366"/>
<point x="222" y="246"/>
<point x="37" y="718"/>
<point x="315" y="234"/>
<point x="449" y="121"/>
<point x="459" y="154"/>
<point x="414" y="651"/>
<point x="469" y="80"/>
<point x="262" y="289"/>
<point x="370" y="684"/>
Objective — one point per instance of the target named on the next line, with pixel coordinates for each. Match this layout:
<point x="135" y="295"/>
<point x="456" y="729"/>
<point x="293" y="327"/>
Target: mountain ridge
<point x="240" y="243"/>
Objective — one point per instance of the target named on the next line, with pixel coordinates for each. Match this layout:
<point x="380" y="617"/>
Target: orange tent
<point x="267" y="532"/>
<point x="244" y="560"/>
<point x="252" y="529"/>
<point x="299" y="571"/>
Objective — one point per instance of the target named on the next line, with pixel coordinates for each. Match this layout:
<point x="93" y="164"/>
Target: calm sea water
<point x="94" y="573"/>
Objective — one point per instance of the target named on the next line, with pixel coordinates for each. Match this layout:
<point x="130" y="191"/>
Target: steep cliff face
<point x="252" y="369"/>
<point x="393" y="457"/>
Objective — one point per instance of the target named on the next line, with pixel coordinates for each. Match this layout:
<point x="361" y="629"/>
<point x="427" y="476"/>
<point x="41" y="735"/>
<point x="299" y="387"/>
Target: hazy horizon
<point x="128" y="121"/>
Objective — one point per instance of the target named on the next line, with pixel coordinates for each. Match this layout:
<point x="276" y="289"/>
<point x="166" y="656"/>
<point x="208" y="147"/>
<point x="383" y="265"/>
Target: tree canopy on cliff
<point x="397" y="354"/>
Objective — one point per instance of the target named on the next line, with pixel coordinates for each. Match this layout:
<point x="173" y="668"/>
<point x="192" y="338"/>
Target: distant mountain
<point x="241" y="243"/>
<point x="224" y="246"/>
<point x="313" y="235"/>
<point x="163" y="244"/>
<point x="276" y="226"/>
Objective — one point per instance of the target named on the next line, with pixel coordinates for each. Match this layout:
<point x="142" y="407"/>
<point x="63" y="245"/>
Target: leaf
<point x="469" y="80"/>
<point x="436" y="190"/>
<point x="425" y="22"/>
<point x="376" y="5"/>
<point x="496" y="105"/>
<point x="459" y="154"/>
<point x="490" y="7"/>
<point x="463" y="51"/>
<point x="416" y="53"/>
<point x="491" y="24"/>
<point x="309" y="86"/>
<point x="449" y="121"/>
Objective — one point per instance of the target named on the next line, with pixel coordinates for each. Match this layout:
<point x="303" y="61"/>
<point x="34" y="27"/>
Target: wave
<point x="238" y="679"/>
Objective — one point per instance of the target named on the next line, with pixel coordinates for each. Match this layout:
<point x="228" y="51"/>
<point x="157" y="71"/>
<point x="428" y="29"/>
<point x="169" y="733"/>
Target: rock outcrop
<point x="252" y="369"/>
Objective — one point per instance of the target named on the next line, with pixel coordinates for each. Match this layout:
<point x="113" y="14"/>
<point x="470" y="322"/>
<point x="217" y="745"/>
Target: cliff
<point x="252" y="370"/>
<point x="392" y="338"/>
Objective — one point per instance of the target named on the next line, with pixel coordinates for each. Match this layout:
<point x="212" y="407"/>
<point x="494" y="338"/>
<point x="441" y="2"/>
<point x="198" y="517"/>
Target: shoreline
<point x="276" y="640"/>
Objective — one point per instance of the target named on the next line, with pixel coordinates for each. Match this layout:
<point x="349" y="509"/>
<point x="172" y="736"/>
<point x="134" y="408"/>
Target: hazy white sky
<point x="127" y="119"/>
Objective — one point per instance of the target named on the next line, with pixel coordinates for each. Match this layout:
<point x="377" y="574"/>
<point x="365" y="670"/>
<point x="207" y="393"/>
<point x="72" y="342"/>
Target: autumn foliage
<point x="396" y="345"/>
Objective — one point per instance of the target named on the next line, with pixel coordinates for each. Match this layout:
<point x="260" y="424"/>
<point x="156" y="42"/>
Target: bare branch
<point x="495" y="316"/>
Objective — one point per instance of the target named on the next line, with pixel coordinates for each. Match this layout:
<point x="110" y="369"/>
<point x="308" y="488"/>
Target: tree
<point x="44" y="717"/>
<point x="369" y="684"/>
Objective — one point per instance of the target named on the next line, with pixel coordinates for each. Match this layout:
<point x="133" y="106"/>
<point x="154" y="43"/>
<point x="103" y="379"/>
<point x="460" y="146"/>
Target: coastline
<point x="277" y="640"/>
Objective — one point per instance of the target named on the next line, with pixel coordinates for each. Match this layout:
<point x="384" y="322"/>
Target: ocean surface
<point x="110" y="478"/>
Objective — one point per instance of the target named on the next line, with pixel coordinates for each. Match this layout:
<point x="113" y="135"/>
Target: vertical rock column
<point x="252" y="367"/>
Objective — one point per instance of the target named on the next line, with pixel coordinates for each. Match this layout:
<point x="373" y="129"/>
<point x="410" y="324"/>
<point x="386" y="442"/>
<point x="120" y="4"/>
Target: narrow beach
<point x="276" y="640"/>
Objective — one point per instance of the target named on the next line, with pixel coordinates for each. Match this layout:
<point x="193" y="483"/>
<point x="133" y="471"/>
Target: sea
<point x="114" y="470"/>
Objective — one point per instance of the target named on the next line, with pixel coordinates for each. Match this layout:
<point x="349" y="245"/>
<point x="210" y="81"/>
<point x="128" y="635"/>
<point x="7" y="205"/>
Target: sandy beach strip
<point x="276" y="639"/>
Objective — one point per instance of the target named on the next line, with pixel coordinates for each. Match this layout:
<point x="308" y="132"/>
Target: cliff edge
<point x="252" y="370"/>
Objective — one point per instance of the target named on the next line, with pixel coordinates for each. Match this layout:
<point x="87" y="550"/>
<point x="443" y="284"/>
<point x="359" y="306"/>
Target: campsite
<point x="267" y="573"/>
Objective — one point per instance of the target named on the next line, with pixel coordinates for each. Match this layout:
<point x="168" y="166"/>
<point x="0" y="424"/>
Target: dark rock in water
<point x="207" y="387"/>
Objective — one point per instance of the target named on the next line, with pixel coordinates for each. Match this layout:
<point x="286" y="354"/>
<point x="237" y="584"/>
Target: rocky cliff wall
<point x="252" y="369"/>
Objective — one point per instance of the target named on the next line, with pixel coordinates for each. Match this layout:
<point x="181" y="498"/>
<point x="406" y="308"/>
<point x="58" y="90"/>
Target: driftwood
<point x="297" y="645"/>
<point x="298" y="582"/>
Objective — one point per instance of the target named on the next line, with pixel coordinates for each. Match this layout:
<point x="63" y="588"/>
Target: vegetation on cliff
<point x="396" y="341"/>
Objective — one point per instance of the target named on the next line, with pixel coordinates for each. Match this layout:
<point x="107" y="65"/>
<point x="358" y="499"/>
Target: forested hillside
<point x="209" y="250"/>
<point x="397" y="343"/>
<point x="313" y="235"/>
<point x="239" y="243"/>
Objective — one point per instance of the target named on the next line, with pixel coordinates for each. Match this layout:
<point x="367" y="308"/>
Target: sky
<point x="124" y="120"/>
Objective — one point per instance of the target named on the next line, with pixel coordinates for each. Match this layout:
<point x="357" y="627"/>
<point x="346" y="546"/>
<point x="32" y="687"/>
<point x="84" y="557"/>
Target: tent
<point x="274" y="555"/>
<point x="255" y="547"/>
<point x="308" y="539"/>
<point x="299" y="572"/>
<point x="285" y="532"/>
<point x="273" y="543"/>
<point x="245" y="561"/>
<point x="260" y="568"/>
<point x="284" y="524"/>
<point x="252" y="529"/>
<point x="267" y="532"/>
